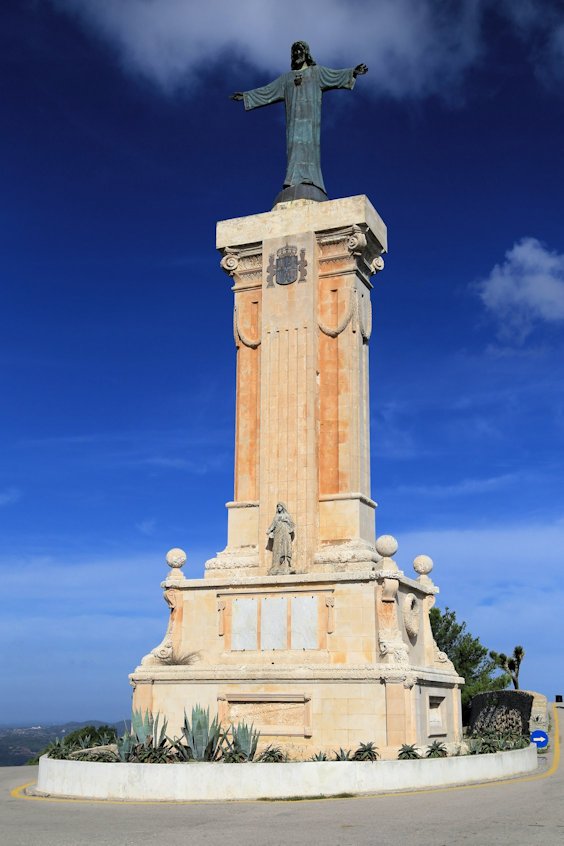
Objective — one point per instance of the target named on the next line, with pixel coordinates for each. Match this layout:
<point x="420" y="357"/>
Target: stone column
<point x="302" y="322"/>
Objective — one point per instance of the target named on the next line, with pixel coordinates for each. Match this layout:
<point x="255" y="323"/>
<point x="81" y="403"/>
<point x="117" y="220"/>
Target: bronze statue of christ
<point x="301" y="89"/>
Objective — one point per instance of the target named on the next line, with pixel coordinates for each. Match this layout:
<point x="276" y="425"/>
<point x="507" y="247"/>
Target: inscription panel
<point x="244" y="624"/>
<point x="274" y="623"/>
<point x="304" y="622"/>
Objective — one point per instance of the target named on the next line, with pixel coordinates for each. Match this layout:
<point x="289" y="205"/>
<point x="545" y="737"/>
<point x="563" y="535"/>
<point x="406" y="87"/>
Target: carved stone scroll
<point x="221" y="617"/>
<point x="330" y="603"/>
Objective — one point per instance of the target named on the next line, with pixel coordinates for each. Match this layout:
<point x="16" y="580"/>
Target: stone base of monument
<point x="316" y="661"/>
<point x="219" y="782"/>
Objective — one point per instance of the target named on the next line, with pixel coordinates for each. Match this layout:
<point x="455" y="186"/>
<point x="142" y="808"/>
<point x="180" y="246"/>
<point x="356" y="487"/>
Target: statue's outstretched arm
<point x="265" y="95"/>
<point x="360" y="70"/>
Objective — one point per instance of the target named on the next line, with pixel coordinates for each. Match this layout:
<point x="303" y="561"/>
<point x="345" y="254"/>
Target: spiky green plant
<point x="232" y="755"/>
<point x="243" y="743"/>
<point x="272" y="755"/>
<point x="436" y="750"/>
<point x="59" y="750"/>
<point x="147" y="742"/>
<point x="408" y="752"/>
<point x="203" y="738"/>
<point x="319" y="756"/>
<point x="343" y="755"/>
<point x="125" y="745"/>
<point x="366" y="752"/>
<point x="475" y="746"/>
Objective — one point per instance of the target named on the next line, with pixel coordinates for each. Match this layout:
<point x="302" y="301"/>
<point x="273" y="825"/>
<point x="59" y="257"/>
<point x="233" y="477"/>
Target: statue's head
<point x="300" y="54"/>
<point x="280" y="507"/>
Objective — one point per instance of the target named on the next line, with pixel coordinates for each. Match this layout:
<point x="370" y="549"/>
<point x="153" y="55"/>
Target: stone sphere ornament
<point x="386" y="545"/>
<point x="423" y="565"/>
<point x="176" y="558"/>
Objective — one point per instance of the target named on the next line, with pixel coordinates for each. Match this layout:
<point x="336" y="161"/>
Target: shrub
<point x="319" y="756"/>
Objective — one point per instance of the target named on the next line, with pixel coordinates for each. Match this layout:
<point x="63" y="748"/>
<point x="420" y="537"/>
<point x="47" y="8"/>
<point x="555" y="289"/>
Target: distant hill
<point x="18" y="745"/>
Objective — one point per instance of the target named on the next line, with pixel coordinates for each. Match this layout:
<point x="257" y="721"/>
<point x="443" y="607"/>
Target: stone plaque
<point x="268" y="714"/>
<point x="274" y="623"/>
<point x="244" y="624"/>
<point x="304" y="622"/>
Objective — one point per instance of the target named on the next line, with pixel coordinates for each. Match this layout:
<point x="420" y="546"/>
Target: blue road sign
<point x="540" y="738"/>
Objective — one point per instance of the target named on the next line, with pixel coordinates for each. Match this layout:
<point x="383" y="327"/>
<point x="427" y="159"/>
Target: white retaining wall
<point x="217" y="782"/>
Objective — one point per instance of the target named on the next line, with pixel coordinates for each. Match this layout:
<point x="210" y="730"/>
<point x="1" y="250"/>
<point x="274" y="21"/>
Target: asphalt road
<point x="523" y="812"/>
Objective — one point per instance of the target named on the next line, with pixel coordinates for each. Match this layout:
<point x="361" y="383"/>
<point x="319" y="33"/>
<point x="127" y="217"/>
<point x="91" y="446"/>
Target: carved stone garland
<point x="353" y="313"/>
<point x="240" y="336"/>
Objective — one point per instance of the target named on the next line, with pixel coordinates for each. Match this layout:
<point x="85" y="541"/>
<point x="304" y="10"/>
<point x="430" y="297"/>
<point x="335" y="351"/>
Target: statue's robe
<point x="303" y="116"/>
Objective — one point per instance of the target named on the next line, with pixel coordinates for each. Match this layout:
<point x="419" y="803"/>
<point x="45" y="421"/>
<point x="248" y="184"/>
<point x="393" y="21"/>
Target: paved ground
<point x="519" y="813"/>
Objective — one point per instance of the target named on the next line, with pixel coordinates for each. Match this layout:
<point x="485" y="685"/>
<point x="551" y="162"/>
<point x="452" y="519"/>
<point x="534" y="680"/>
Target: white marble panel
<point x="244" y="624"/>
<point x="304" y="622"/>
<point x="274" y="623"/>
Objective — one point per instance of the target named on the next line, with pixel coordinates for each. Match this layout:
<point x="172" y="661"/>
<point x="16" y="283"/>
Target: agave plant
<point x="408" y="752"/>
<point x="59" y="750"/>
<point x="343" y="755"/>
<point x="125" y="745"/>
<point x="272" y="755"/>
<point x="366" y="752"/>
<point x="147" y="742"/>
<point x="232" y="755"/>
<point x="436" y="750"/>
<point x="475" y="746"/>
<point x="203" y="738"/>
<point x="243" y="745"/>
<point x="319" y="756"/>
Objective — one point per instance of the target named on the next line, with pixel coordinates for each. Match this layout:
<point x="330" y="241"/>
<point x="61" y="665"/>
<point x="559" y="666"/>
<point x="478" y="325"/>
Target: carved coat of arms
<point x="286" y="268"/>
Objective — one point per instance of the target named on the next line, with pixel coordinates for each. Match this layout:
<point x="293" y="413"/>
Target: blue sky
<point x="119" y="152"/>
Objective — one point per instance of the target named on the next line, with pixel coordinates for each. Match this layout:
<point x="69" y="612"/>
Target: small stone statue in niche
<point x="280" y="536"/>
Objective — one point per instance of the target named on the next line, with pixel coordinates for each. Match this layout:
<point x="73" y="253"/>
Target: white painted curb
<point x="218" y="782"/>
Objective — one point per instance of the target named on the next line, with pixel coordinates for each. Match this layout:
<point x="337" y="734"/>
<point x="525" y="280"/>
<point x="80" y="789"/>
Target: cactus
<point x="319" y="756"/>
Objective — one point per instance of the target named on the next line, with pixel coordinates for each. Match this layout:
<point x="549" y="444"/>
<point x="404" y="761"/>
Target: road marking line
<point x="18" y="792"/>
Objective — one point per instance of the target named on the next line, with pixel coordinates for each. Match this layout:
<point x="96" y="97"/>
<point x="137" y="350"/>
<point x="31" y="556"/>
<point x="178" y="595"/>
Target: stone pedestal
<point x="302" y="323"/>
<point x="339" y="650"/>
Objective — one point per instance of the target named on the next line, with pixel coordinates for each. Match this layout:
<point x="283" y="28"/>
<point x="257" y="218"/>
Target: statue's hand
<point x="238" y="95"/>
<point x="360" y="70"/>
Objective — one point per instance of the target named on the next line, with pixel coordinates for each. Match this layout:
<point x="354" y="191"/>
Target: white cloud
<point x="413" y="47"/>
<point x="527" y="288"/>
<point x="9" y="496"/>
<point x="462" y="488"/>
